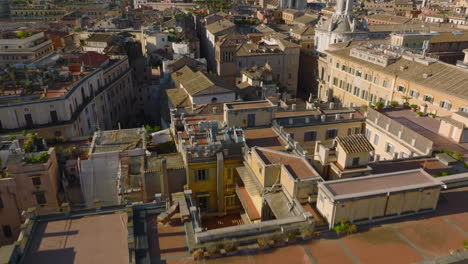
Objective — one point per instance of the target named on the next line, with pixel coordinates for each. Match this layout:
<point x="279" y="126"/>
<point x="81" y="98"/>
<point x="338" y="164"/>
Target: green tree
<point x="23" y="35"/>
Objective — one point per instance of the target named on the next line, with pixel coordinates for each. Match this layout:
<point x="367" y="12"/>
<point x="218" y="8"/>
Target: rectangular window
<point x="385" y="83"/>
<point x="356" y="91"/>
<point x="331" y="133"/>
<point x="348" y="87"/>
<point x="368" y="134"/>
<point x="202" y="175"/>
<point x="7" y="231"/>
<point x="337" y="65"/>
<point x="464" y="109"/>
<point x="376" y="139"/>
<point x="354" y="130"/>
<point x="401" y="88"/>
<point x="231" y="200"/>
<point x="40" y="198"/>
<point x="358" y="73"/>
<point x="364" y="95"/>
<point x="428" y="98"/>
<point x="344" y="68"/>
<point x="446" y="105"/>
<point x="376" y="79"/>
<point x="414" y="93"/>
<point x="355" y="162"/>
<point x="53" y="116"/>
<point x="203" y="202"/>
<point x="29" y="121"/>
<point x="335" y="81"/>
<point x="341" y="84"/>
<point x="389" y="148"/>
<point x="36" y="181"/>
<point x="310" y="136"/>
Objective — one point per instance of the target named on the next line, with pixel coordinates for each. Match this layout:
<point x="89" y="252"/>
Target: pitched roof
<point x="446" y="78"/>
<point x="219" y="26"/>
<point x="455" y="36"/>
<point x="305" y="31"/>
<point x="390" y="18"/>
<point x="100" y="38"/>
<point x="184" y="73"/>
<point x="178" y="97"/>
<point x="92" y="58"/>
<point x="199" y="82"/>
<point x="357" y="143"/>
<point x="193" y="64"/>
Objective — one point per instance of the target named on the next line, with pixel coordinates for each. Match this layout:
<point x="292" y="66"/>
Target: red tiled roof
<point x="92" y="58"/>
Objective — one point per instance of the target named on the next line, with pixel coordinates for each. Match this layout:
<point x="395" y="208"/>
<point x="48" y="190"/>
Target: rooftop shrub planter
<point x="379" y="105"/>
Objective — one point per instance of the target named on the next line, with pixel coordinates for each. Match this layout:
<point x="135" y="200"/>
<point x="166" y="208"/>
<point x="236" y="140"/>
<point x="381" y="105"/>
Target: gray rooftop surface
<point x="118" y="140"/>
<point x="381" y="183"/>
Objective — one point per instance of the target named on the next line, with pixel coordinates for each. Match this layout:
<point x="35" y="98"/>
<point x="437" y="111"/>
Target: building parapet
<point x="286" y="137"/>
<point x="411" y="138"/>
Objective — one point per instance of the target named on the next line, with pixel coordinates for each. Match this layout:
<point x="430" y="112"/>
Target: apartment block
<point x="84" y="92"/>
<point x="26" y="182"/>
<point x="369" y="73"/>
<point x="210" y="152"/>
<point x="374" y="197"/>
<point x="14" y="50"/>
<point x="114" y="170"/>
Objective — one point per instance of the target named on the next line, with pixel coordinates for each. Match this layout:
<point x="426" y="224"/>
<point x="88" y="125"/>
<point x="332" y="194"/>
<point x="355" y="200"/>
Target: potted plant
<point x="379" y="105"/>
<point x="372" y="106"/>
<point x="212" y="250"/>
<point x="197" y="254"/>
<point x="306" y="232"/>
<point x="279" y="240"/>
<point x="419" y="113"/>
<point x="394" y="104"/>
<point x="414" y="107"/>
<point x="291" y="238"/>
<point x="406" y="105"/>
<point x="262" y="243"/>
<point x="230" y="246"/>
<point x="432" y="115"/>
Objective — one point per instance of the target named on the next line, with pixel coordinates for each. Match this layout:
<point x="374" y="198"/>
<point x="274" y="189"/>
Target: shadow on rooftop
<point x="64" y="255"/>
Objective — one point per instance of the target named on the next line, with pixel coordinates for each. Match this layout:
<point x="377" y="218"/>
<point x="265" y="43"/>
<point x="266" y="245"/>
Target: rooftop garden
<point x="40" y="158"/>
<point x="33" y="143"/>
<point x="218" y="5"/>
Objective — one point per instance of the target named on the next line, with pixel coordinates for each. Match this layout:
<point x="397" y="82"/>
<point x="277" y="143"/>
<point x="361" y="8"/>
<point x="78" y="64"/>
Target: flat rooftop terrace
<point x="247" y="105"/>
<point x="88" y="239"/>
<point x="381" y="183"/>
<point x="118" y="140"/>
<point x="427" y="127"/>
<point x="264" y="137"/>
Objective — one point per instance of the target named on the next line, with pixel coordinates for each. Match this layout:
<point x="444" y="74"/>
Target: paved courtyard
<point x="412" y="240"/>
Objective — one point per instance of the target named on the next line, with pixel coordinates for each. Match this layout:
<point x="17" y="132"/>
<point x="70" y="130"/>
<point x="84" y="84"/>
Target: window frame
<point x="327" y="134"/>
<point x="201" y="175"/>
<point x="308" y="138"/>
